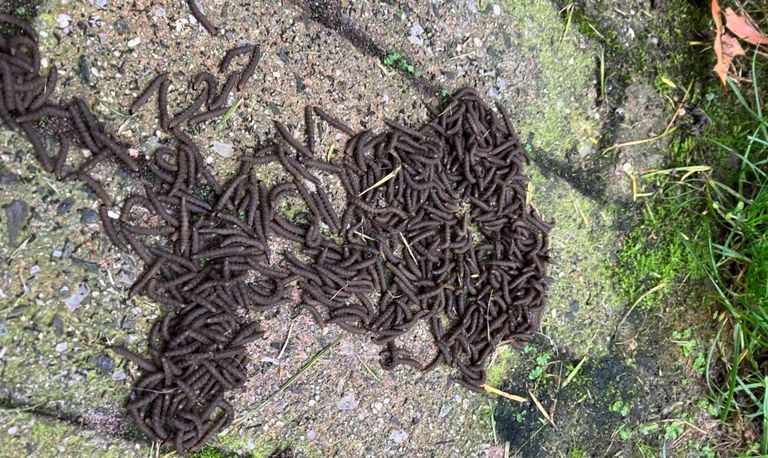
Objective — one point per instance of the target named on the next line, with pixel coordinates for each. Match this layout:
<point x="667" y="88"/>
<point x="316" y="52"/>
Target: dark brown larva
<point x="399" y="253"/>
<point x="201" y="18"/>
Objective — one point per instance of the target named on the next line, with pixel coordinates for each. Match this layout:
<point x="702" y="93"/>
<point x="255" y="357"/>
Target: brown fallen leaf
<point x="721" y="68"/>
<point x="726" y="46"/>
<point x="743" y="29"/>
<point x="729" y="48"/>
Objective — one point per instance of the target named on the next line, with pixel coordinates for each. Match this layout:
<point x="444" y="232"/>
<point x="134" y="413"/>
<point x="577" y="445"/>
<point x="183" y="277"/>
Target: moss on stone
<point x="561" y="118"/>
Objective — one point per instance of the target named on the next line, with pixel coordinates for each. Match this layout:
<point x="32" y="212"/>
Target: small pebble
<point x="104" y="364"/>
<point x="415" y="36"/>
<point x="13" y="430"/>
<point x="282" y="55"/>
<point x="64" y="206"/>
<point x="7" y="177"/>
<point x="88" y="216"/>
<point x="348" y="402"/>
<point x="222" y="149"/>
<point x="57" y="324"/>
<point x="122" y="27"/>
<point x="73" y="302"/>
<point x="15" y="219"/>
<point x="135" y="42"/>
<point x="118" y="376"/>
<point x="60" y="347"/>
<point x="63" y="20"/>
<point x="398" y="437"/>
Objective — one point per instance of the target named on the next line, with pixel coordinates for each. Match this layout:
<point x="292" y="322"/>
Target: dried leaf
<point x="721" y="67"/>
<point x="743" y="29"/>
<point x="726" y="46"/>
<point x="731" y="47"/>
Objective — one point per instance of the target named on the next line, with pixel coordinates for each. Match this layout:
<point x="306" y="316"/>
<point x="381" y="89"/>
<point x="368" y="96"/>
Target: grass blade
<point x="387" y="177"/>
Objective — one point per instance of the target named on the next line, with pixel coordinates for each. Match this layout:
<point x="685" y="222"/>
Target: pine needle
<point x="386" y="178"/>
<point x="541" y="408"/>
<point x="504" y="394"/>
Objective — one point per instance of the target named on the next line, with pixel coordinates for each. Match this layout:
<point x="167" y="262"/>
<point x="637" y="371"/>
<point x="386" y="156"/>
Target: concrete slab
<point x="53" y="345"/>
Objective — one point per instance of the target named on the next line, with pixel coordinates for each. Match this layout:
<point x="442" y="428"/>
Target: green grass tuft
<point x="731" y="248"/>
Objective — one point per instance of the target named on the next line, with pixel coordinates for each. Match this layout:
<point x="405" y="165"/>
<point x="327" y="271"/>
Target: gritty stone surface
<point x="62" y="318"/>
<point x="16" y="214"/>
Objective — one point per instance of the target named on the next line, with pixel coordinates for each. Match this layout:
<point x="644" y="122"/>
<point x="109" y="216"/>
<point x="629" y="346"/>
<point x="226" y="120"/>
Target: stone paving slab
<point x="63" y="287"/>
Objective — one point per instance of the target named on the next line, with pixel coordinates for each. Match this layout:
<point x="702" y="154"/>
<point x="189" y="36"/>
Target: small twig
<point x="504" y="394"/>
<point x="493" y="424"/>
<point x="285" y="342"/>
<point x="387" y="177"/>
<point x="311" y="362"/>
<point x="367" y="368"/>
<point x="543" y="411"/>
<point x="639" y="299"/>
<point x="408" y="246"/>
<point x="640" y="142"/>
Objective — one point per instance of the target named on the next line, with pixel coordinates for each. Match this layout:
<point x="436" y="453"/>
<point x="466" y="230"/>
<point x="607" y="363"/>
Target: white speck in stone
<point x="346" y="349"/>
<point x="502" y="84"/>
<point x="73" y="302"/>
<point x="415" y="36"/>
<point x="135" y="42"/>
<point x="348" y="402"/>
<point x="398" y="437"/>
<point x="270" y="360"/>
<point x="222" y="149"/>
<point x="60" y="347"/>
<point x="113" y="214"/>
<point x="63" y="20"/>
